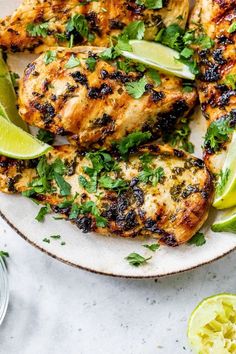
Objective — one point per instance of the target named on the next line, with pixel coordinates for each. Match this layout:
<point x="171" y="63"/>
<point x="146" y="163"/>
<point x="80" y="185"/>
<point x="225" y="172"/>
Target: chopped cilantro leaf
<point x="179" y="138"/>
<point x="151" y="4"/>
<point x="37" y="29"/>
<point x="49" y="56"/>
<point x="155" y="76"/>
<point x="154" y="247"/>
<point x="232" y="27"/>
<point x="3" y="254"/>
<point x="45" y="136"/>
<point x="135" y="30"/>
<point x="217" y="133"/>
<point x="79" y="24"/>
<point x="172" y="36"/>
<point x="91" y="185"/>
<point x="117" y="184"/>
<point x="132" y="140"/>
<point x="55" y="237"/>
<point x="73" y="62"/>
<point x="230" y="80"/>
<point x="198" y="239"/>
<point x="136" y="259"/>
<point x="136" y="89"/>
<point x="88" y="208"/>
<point x="146" y="159"/>
<point x="187" y="52"/>
<point x="151" y="175"/>
<point x="65" y="187"/>
<point x="42" y="212"/>
<point x="46" y="240"/>
<point x="91" y="63"/>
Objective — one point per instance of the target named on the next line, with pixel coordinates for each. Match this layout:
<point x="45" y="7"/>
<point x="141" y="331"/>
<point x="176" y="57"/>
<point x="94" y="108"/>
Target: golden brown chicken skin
<point x="217" y="78"/>
<point x="95" y="106"/>
<point x="156" y="191"/>
<point x="38" y="24"/>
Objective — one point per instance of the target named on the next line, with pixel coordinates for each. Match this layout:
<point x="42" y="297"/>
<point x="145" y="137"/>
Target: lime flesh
<point x="227" y="222"/>
<point x="16" y="143"/>
<point x="8" y="97"/>
<point x="159" y="57"/>
<point x="227" y="196"/>
<point x="212" y="325"/>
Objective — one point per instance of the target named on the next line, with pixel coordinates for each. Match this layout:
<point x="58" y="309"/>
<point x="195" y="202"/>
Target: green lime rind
<point x="159" y="57"/>
<point x="18" y="144"/>
<point x="226" y="197"/>
<point x="211" y="327"/>
<point x="8" y="99"/>
<point x="226" y="222"/>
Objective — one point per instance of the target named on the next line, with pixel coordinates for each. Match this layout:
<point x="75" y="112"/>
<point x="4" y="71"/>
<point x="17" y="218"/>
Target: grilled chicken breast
<point x="217" y="79"/>
<point x="38" y="24"/>
<point x="156" y="191"/>
<point x="95" y="106"/>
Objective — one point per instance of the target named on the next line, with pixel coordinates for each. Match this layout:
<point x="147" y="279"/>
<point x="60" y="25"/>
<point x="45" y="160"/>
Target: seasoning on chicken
<point x="156" y="191"/>
<point x="39" y="24"/>
<point x="214" y="25"/>
<point x="75" y="92"/>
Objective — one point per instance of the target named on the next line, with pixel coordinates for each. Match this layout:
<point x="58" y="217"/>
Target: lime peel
<point x="226" y="222"/>
<point x="212" y="325"/>
<point x="159" y="57"/>
<point x="226" y="198"/>
<point x="18" y="144"/>
<point x="8" y="97"/>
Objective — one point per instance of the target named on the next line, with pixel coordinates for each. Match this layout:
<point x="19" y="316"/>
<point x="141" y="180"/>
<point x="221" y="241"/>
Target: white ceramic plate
<point x="106" y="254"/>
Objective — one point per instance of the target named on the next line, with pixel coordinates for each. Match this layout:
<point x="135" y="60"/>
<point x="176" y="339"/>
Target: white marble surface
<point x="57" y="309"/>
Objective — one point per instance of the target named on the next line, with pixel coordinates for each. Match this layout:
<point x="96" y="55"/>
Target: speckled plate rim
<point x="107" y="273"/>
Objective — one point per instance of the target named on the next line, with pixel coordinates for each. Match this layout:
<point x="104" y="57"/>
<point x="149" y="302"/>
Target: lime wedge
<point x="158" y="57"/>
<point x="226" y="222"/>
<point x="16" y="143"/>
<point x="212" y="325"/>
<point x="8" y="97"/>
<point x="226" y="196"/>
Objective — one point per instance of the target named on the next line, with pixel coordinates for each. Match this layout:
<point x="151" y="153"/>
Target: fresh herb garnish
<point x="179" y="138"/>
<point x="49" y="56"/>
<point x="3" y="254"/>
<point x="88" y="208"/>
<point x="154" y="247"/>
<point x="73" y="62"/>
<point x="198" y="239"/>
<point x="151" y="175"/>
<point x="218" y="133"/>
<point x="55" y="237"/>
<point x="117" y="184"/>
<point x="154" y="76"/>
<point x="42" y="213"/>
<point x="232" y="27"/>
<point x="134" y="30"/>
<point x="91" y="63"/>
<point x="172" y="37"/>
<point x="65" y="187"/>
<point x="136" y="259"/>
<point x="45" y="136"/>
<point x="89" y="185"/>
<point x="136" y="89"/>
<point x="38" y="29"/>
<point x="131" y="141"/>
<point x="151" y="4"/>
<point x="230" y="80"/>
<point x="46" y="240"/>
<point x="79" y="25"/>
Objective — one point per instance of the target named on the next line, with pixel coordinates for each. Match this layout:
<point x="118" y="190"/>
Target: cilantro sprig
<point x="136" y="259"/>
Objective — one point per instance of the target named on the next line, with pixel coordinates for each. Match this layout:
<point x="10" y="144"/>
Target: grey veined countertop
<point x="57" y="309"/>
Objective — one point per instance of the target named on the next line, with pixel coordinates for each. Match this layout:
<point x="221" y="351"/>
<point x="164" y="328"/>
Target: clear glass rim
<point x="4" y="290"/>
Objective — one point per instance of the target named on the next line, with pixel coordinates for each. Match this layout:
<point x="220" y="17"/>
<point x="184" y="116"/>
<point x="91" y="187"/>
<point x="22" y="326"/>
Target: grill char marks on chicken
<point x="38" y="24"/>
<point x="171" y="207"/>
<point x="217" y="79"/>
<point x="95" y="107"/>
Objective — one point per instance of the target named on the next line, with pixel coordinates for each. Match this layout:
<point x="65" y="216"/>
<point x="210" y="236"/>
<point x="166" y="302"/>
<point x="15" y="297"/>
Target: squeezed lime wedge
<point x="212" y="325"/>
<point x="226" y="222"/>
<point x="8" y="107"/>
<point x="226" y="196"/>
<point x="159" y="57"/>
<point x="18" y="144"/>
